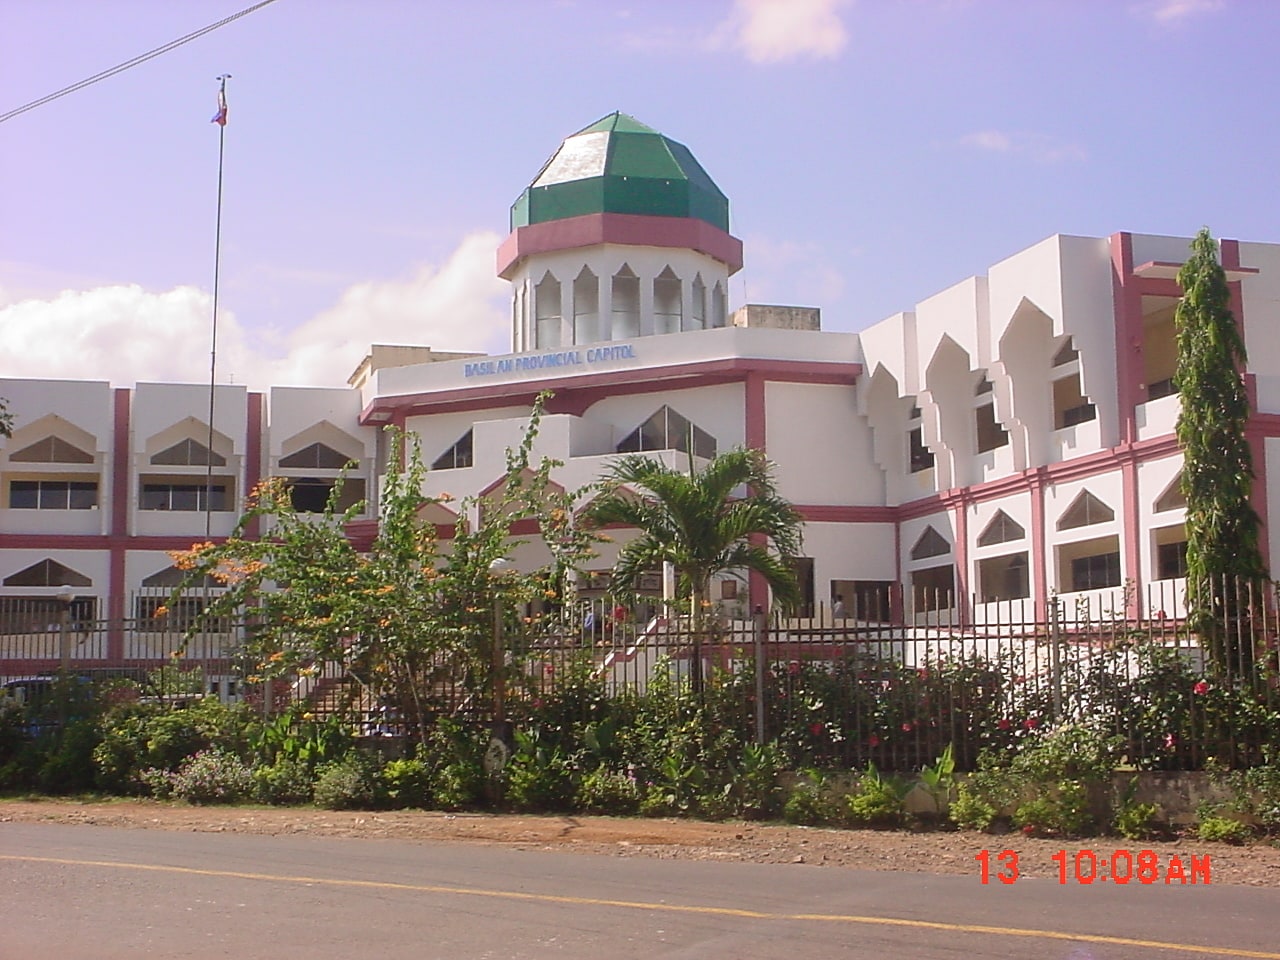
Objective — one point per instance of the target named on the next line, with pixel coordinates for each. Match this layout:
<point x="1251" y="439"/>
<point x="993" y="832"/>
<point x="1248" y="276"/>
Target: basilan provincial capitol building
<point x="1004" y="442"/>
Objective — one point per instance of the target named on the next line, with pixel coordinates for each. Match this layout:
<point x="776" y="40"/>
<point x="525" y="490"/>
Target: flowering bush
<point x="212" y="776"/>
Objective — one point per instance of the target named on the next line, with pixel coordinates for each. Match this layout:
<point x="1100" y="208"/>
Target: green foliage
<point x="1060" y="809"/>
<point x="1217" y="473"/>
<point x="212" y="776"/>
<point x="603" y="790"/>
<point x="879" y="800"/>
<point x="939" y="780"/>
<point x="1223" y="830"/>
<point x="1253" y="793"/>
<point x="453" y="756"/>
<point x="970" y="811"/>
<point x="539" y="775"/>
<point x="407" y="783"/>
<point x="296" y="735"/>
<point x="754" y="783"/>
<point x="68" y="766"/>
<point x="139" y="736"/>
<point x="6" y="419"/>
<point x="407" y="613"/>
<point x="1069" y="752"/>
<point x="285" y="782"/>
<point x="351" y="782"/>
<point x="810" y="802"/>
<point x="701" y="522"/>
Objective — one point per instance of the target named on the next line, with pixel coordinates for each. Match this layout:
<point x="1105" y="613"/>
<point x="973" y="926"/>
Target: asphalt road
<point x="95" y="893"/>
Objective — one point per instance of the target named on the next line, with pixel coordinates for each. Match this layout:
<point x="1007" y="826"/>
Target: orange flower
<point x="161" y="611"/>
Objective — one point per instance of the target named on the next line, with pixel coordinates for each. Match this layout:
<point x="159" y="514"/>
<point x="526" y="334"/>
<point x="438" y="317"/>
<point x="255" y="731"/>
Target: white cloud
<point x="769" y="31"/>
<point x="1037" y="146"/>
<point x="1173" y="12"/>
<point x="126" y="334"/>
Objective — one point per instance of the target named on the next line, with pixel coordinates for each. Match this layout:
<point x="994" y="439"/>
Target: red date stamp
<point x="1101" y="866"/>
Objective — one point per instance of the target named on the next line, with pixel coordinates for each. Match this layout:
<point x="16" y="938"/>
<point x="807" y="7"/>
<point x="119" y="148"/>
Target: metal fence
<point x="831" y="689"/>
<point x="43" y="636"/>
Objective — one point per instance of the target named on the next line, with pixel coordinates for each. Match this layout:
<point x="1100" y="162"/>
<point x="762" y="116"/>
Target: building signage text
<point x="541" y="361"/>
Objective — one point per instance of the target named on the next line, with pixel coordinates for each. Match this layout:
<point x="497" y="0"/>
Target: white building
<point x="1008" y="440"/>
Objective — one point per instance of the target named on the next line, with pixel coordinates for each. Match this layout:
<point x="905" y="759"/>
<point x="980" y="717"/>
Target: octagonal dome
<point x="619" y="165"/>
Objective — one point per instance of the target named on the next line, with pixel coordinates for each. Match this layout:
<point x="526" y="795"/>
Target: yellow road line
<point x="670" y="907"/>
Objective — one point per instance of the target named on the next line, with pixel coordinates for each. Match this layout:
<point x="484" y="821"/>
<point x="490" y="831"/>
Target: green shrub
<point x="1223" y="829"/>
<point x="283" y="783"/>
<point x="407" y="783"/>
<point x="349" y="783"/>
<point x="878" y="801"/>
<point x="754" y="786"/>
<point x="136" y="737"/>
<point x="539" y="776"/>
<point x="970" y="811"/>
<point x="212" y="776"/>
<point x="810" y="802"/>
<point x="68" y="765"/>
<point x="1060" y="809"/>
<point x="607" y="791"/>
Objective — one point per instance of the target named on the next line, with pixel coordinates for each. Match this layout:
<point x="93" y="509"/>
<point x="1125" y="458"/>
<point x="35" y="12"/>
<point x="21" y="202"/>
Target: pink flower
<point x="1201" y="688"/>
<point x="1004" y="723"/>
<point x="873" y="741"/>
<point x="906" y="728"/>
<point x="1031" y="722"/>
<point x="1170" y="741"/>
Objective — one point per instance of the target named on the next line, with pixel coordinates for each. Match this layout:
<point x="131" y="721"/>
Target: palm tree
<point x="726" y="516"/>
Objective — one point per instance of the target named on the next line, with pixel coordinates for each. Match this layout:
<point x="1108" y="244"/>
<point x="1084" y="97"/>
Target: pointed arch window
<point x="317" y="456"/>
<point x="51" y="449"/>
<point x="547" y="307"/>
<point x="668" y="430"/>
<point x="459" y="455"/>
<point x="189" y="453"/>
<point x="47" y="573"/>
<point x="172" y="577"/>
<point x="1002" y="529"/>
<point x="668" y="307"/>
<point x="719" y="311"/>
<point x="930" y="544"/>
<point x="1084" y="511"/>
<point x="626" y="304"/>
<point x="1173" y="498"/>
<point x="698" y="309"/>
<point x="586" y="307"/>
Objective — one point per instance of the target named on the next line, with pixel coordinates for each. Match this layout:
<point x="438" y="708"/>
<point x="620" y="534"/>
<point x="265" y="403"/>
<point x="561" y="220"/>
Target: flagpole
<point x="220" y="118"/>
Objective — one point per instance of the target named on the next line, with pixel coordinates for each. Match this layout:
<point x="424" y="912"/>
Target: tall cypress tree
<point x="1217" y="472"/>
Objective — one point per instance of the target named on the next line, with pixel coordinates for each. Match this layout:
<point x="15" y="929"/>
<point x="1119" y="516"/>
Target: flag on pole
<point x="220" y="118"/>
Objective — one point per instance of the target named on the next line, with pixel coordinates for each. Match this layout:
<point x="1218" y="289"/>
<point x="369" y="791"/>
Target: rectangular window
<point x="1171" y="560"/>
<point x="52" y="495"/>
<point x="185" y="497"/>
<point x="933" y="589"/>
<point x="1004" y="578"/>
<point x="1095" y="572"/>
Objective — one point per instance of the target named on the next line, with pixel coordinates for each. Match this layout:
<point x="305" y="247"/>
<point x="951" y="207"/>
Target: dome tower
<point x="622" y="234"/>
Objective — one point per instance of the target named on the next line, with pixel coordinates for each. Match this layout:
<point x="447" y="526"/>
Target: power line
<point x="143" y="58"/>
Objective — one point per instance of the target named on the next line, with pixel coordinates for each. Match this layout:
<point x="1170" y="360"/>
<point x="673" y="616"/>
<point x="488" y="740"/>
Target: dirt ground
<point x="904" y="851"/>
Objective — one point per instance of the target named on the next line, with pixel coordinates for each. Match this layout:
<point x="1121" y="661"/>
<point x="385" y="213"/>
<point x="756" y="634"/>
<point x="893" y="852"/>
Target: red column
<point x="118" y="535"/>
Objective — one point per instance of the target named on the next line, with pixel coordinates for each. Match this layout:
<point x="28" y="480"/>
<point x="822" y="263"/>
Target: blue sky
<point x="874" y="152"/>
